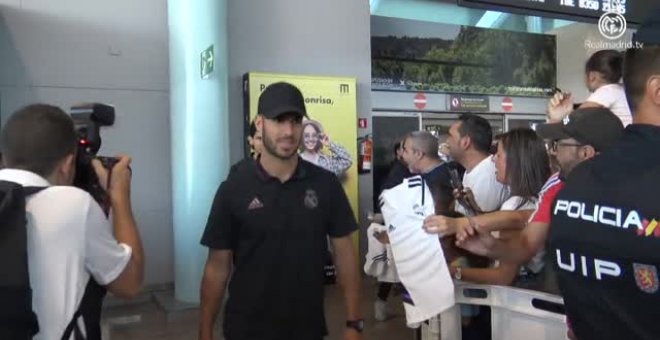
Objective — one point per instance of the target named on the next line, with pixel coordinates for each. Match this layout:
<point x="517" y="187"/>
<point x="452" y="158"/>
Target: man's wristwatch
<point x="357" y="325"/>
<point x="458" y="274"/>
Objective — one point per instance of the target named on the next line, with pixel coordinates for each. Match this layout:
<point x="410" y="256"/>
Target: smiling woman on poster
<point x="314" y="139"/>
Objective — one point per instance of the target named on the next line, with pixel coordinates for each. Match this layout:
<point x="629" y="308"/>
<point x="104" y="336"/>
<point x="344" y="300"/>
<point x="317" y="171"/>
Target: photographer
<point x="71" y="244"/>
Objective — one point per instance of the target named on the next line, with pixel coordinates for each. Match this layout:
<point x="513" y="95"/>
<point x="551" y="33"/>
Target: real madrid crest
<point x="311" y="200"/>
<point x="418" y="209"/>
<point x="646" y="277"/>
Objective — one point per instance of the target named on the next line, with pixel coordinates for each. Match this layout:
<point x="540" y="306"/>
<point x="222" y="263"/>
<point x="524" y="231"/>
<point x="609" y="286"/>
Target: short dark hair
<point x="527" y="162"/>
<point x="37" y="137"/>
<point x="609" y="63"/>
<point x="478" y="129"/>
<point x="638" y="66"/>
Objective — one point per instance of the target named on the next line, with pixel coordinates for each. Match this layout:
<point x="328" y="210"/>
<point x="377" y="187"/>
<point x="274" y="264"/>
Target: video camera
<point x="88" y="119"/>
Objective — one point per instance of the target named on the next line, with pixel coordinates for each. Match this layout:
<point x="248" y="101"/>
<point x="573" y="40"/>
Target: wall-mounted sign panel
<point x="635" y="11"/>
<point x="415" y="56"/>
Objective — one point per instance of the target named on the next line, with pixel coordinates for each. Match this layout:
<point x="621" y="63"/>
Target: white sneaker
<point x="380" y="310"/>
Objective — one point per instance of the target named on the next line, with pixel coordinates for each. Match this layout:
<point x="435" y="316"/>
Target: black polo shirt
<point x="277" y="232"/>
<point x="605" y="240"/>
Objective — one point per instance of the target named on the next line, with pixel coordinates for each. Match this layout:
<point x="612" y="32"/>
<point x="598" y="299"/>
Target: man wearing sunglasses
<point x="580" y="136"/>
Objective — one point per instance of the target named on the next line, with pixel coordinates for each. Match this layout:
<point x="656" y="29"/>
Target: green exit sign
<point x="207" y="62"/>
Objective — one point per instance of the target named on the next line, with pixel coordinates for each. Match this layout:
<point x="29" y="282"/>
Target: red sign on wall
<point x="420" y="101"/>
<point x="507" y="104"/>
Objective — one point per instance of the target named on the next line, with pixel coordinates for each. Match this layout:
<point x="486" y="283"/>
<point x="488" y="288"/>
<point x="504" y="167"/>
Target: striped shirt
<point x="547" y="197"/>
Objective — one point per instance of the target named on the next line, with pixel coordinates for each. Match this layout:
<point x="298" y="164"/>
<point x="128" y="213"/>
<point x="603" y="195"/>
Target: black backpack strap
<point x="77" y="334"/>
<point x="17" y="319"/>
<point x="73" y="327"/>
<point x="90" y="311"/>
<point x="32" y="190"/>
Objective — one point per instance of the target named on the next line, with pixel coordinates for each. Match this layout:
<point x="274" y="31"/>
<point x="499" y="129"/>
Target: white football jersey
<point x="379" y="261"/>
<point x="418" y="256"/>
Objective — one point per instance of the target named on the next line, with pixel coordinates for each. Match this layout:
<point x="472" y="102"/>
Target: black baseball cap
<point x="280" y="98"/>
<point x="595" y="126"/>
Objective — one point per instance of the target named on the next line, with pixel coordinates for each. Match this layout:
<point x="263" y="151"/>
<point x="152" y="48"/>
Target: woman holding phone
<point x="521" y="163"/>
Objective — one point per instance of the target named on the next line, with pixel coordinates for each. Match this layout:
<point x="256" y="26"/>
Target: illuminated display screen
<point x="635" y="11"/>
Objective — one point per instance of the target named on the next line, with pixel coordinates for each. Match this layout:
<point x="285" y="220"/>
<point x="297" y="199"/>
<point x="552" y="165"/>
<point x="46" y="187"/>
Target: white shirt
<point x="488" y="192"/>
<point x="514" y="203"/>
<point x="418" y="256"/>
<point x="379" y="261"/>
<point x="69" y="238"/>
<point x="613" y="97"/>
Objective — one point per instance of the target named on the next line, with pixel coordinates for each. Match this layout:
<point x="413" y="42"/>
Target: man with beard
<point x="267" y="230"/>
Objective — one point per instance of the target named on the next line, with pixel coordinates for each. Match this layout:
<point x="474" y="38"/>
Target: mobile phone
<point x="457" y="184"/>
<point x="455" y="180"/>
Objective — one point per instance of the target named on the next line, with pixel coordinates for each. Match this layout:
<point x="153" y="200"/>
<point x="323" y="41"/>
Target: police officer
<point x="267" y="230"/>
<point x="604" y="233"/>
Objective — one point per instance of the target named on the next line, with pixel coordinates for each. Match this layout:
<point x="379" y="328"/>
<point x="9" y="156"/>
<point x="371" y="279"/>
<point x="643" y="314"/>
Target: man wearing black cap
<point x="605" y="236"/>
<point x="581" y="135"/>
<point x="267" y="229"/>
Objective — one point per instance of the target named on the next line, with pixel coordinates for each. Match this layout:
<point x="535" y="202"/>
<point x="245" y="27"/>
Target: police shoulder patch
<point x="646" y="277"/>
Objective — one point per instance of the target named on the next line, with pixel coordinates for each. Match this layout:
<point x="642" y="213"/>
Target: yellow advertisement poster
<point x="330" y="135"/>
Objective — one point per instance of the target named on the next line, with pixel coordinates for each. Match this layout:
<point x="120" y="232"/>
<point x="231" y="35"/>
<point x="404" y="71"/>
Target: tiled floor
<point x="147" y="321"/>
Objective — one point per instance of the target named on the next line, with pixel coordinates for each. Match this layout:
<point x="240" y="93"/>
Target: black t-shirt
<point x="277" y="232"/>
<point x="439" y="182"/>
<point x="605" y="240"/>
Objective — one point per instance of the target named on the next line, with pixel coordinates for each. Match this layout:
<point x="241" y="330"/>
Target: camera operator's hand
<point x="117" y="184"/>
